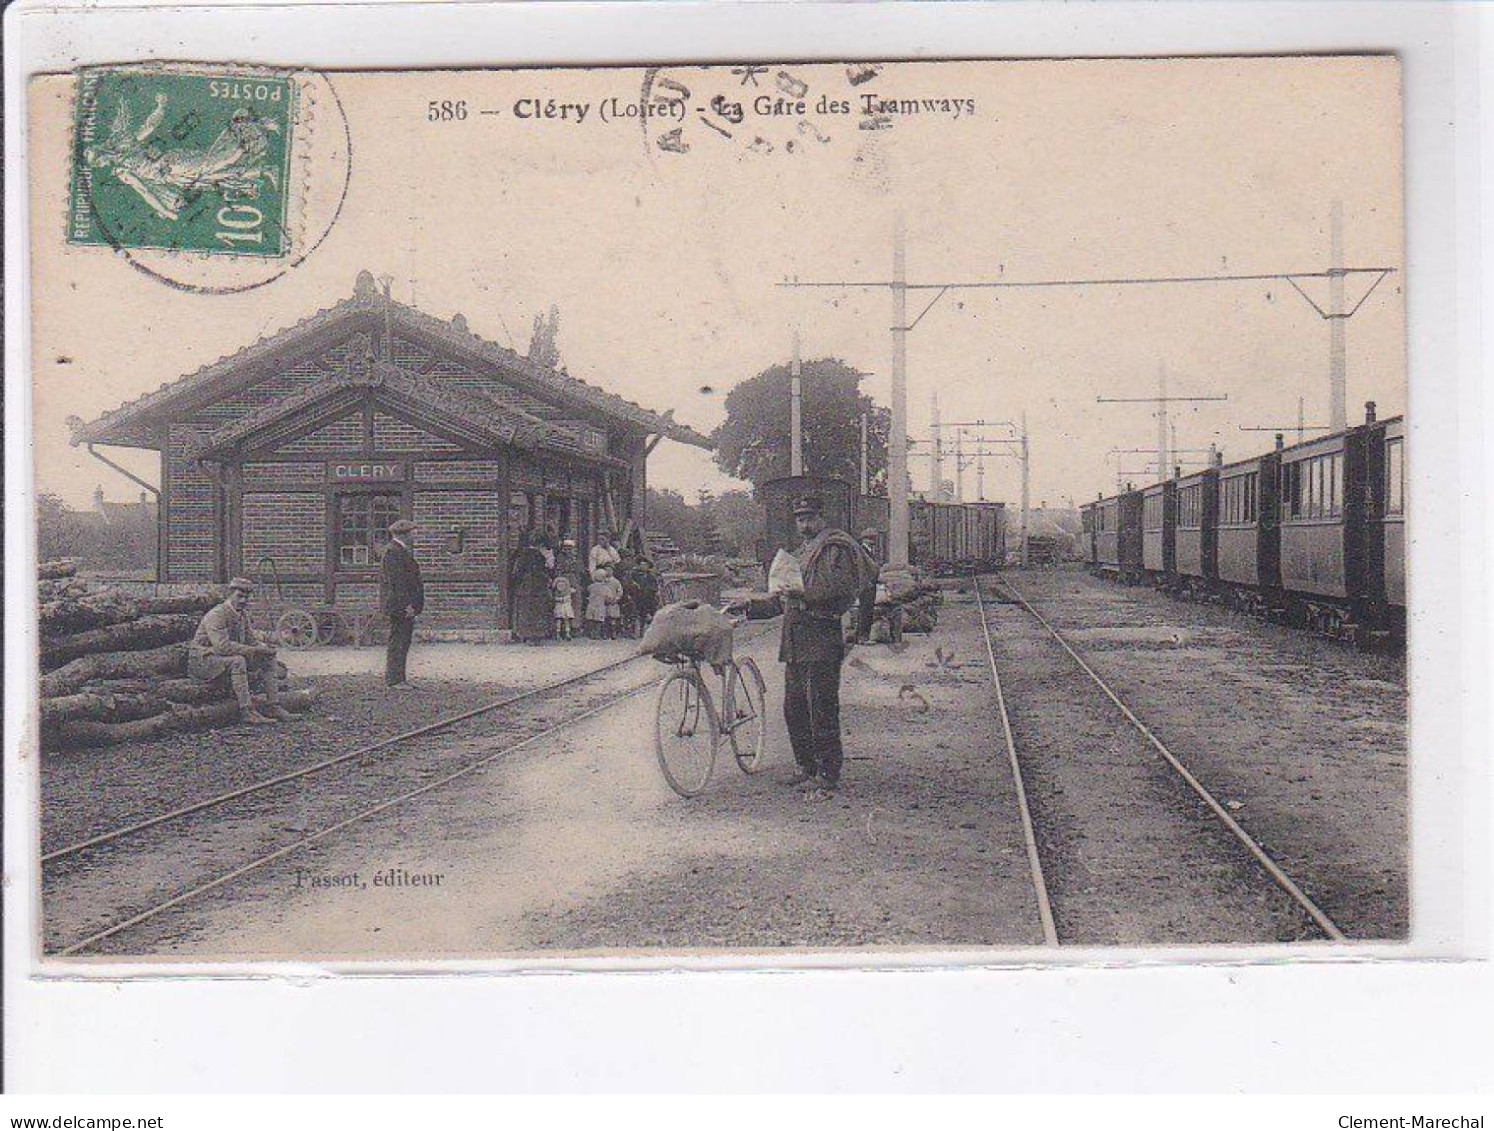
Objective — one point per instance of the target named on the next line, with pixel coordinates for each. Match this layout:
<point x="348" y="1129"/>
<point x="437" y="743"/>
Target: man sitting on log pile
<point x="225" y="643"/>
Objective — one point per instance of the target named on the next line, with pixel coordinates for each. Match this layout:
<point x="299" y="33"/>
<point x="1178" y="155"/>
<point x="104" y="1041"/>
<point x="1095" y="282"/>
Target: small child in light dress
<point x="565" y="611"/>
<point x="597" y="595"/>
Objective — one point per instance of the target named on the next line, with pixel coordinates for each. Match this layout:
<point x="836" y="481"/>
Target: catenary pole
<point x="897" y="444"/>
<point x="1338" y="402"/>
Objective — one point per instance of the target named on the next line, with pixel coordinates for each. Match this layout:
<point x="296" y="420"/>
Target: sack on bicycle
<point x="691" y="630"/>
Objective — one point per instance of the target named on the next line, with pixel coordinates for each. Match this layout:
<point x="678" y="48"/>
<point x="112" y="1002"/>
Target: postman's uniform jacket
<point x="224" y="642"/>
<point x="402" y="598"/>
<point x="812" y="647"/>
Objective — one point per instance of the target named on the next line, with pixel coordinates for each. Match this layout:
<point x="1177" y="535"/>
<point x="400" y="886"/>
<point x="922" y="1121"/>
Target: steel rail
<point x="1039" y="882"/>
<point x="304" y="771"/>
<point x="321" y="834"/>
<point x="1274" y="870"/>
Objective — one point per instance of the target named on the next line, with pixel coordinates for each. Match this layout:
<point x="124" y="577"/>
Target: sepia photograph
<point x="762" y="509"/>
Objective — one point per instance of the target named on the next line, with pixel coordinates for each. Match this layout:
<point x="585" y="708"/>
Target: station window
<point x="1190" y="506"/>
<point x="1395" y="477"/>
<point x="363" y="527"/>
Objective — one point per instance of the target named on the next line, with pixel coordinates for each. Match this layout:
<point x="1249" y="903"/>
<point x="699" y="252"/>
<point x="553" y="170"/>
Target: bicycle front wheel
<point x="747" y="726"/>
<point x="686" y="731"/>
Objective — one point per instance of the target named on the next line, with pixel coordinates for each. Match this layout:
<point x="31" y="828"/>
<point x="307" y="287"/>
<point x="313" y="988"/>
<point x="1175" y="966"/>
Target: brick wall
<point x="459" y="471"/>
<point x="288" y="527"/>
<point x="338" y="438"/>
<point x="392" y="434"/>
<point x="479" y="514"/>
<point x="191" y="531"/>
<point x="283" y="474"/>
<point x="474" y="602"/>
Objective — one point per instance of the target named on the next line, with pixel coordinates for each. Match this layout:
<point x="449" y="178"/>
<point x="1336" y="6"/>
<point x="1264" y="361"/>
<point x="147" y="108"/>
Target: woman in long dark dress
<point x="533" y="606"/>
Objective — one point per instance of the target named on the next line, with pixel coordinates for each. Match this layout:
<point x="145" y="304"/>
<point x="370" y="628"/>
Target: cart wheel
<point x="296" y="628"/>
<point x="329" y="626"/>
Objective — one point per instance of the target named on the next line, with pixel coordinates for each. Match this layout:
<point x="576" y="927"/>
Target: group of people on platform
<point x="555" y="594"/>
<point x="615" y="593"/>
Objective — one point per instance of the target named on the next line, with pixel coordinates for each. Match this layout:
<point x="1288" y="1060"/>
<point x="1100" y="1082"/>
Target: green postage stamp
<point x="182" y="160"/>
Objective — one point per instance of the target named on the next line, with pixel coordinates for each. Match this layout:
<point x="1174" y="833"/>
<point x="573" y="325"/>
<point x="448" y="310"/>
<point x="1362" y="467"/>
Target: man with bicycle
<point x="812" y="646"/>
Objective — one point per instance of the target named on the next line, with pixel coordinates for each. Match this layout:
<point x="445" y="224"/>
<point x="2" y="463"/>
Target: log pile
<point x="114" y="665"/>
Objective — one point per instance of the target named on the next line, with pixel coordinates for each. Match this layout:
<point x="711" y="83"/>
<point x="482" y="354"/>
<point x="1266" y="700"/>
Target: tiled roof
<point x="133" y="420"/>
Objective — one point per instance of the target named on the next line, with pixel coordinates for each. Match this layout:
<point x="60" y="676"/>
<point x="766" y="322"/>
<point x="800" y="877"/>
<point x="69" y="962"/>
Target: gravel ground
<point x="575" y="844"/>
<point x="1302" y="737"/>
<point x="1131" y="856"/>
<point x="99" y="887"/>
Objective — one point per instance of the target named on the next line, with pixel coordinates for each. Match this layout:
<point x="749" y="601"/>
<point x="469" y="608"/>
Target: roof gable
<point x="420" y="341"/>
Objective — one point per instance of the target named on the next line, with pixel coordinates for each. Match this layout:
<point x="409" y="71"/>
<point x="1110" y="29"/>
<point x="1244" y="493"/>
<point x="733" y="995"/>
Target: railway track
<point x="1158" y="859"/>
<point x="102" y="886"/>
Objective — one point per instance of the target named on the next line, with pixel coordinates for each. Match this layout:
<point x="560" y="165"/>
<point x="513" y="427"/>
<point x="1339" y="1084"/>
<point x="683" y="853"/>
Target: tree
<point x="544" y="347"/>
<point x="753" y="442"/>
<point x="739" y="522"/>
<point x="670" y="515"/>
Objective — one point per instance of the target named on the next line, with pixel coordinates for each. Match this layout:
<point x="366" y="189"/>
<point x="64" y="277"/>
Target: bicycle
<point x="688" y="729"/>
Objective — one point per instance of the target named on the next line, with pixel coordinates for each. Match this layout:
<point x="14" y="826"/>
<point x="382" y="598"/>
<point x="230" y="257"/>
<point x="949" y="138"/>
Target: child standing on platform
<point x="565" y="611"/>
<point x="597" y="594"/>
<point x="614" y="608"/>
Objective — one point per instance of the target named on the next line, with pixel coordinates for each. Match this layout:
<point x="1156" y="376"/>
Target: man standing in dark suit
<point x="813" y="643"/>
<point x="402" y="597"/>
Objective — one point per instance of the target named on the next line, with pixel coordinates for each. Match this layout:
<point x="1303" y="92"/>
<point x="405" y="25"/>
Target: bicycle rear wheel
<point x="686" y="731"/>
<point x="747" y="727"/>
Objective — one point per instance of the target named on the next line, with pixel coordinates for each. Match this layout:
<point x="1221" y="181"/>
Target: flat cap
<point x="242" y="583"/>
<point x="808" y="504"/>
<point x="402" y="526"/>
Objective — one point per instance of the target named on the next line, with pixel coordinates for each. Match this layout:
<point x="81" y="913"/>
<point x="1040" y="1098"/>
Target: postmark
<point x="208" y="179"/>
<point x="183" y="161"/>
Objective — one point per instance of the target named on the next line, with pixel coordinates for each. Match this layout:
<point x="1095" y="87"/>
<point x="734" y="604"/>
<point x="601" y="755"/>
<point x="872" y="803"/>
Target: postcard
<point x="862" y="508"/>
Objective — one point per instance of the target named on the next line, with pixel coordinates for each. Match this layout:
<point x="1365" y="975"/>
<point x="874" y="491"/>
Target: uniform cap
<point x="808" y="504"/>
<point x="242" y="583"/>
<point x="403" y="526"/>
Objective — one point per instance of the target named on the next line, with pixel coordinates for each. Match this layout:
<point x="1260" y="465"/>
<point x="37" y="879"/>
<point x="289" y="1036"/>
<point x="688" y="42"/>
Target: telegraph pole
<point x="897" y="442"/>
<point x="796" y="411"/>
<point x="980" y="477"/>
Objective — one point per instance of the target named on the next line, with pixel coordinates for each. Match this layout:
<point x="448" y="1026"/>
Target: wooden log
<point x="102" y="708"/>
<point x="168" y="661"/>
<point x="132" y="636"/>
<point x="67" y="614"/>
<point x="188" y="690"/>
<point x="83" y="734"/>
<point x="62" y="567"/>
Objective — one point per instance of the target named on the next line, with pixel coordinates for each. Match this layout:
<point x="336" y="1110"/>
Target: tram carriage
<point x="1159" y="517"/>
<point x="1249" y="532"/>
<point x="1195" y="546"/>
<point x="1315" y="531"/>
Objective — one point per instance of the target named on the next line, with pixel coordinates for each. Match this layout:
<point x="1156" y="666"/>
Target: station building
<point x="287" y="461"/>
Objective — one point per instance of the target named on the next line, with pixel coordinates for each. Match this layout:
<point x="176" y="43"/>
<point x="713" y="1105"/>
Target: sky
<point x="666" y="265"/>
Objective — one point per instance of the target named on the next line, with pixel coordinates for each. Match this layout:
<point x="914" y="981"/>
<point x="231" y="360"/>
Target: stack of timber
<point x="114" y="665"/>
